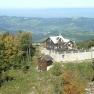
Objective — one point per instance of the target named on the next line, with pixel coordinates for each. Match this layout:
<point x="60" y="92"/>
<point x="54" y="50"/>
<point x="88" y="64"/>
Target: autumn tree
<point x="14" y="50"/>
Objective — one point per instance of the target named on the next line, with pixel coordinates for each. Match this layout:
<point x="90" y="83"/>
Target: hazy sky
<point x="25" y="4"/>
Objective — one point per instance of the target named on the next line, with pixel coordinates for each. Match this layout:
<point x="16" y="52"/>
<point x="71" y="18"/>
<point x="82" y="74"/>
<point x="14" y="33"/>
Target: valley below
<point x="77" y="29"/>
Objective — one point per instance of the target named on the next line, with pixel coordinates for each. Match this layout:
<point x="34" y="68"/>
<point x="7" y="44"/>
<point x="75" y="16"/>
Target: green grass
<point x="28" y="82"/>
<point x="36" y="82"/>
<point x="84" y="69"/>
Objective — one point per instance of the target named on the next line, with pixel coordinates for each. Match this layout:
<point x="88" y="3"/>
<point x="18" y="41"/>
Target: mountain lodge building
<point x="59" y="43"/>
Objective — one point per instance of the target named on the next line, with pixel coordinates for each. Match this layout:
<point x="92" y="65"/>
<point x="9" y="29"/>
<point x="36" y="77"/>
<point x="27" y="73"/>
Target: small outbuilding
<point x="44" y="61"/>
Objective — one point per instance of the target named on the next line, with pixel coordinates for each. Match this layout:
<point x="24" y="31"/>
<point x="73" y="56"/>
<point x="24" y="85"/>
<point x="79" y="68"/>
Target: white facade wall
<point x="69" y="56"/>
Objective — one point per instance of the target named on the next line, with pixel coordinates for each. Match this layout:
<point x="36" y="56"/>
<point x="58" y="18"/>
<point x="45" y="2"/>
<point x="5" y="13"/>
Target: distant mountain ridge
<point x="77" y="29"/>
<point x="49" y="12"/>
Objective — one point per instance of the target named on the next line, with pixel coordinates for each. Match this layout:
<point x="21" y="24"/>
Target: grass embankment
<point x="72" y="78"/>
<point x="28" y="82"/>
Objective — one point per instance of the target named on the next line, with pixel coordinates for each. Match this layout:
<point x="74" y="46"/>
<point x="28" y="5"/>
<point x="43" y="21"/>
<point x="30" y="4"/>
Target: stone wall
<point x="71" y="56"/>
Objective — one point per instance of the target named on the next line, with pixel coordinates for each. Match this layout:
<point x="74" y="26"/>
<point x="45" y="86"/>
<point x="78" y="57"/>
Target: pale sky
<point x="31" y="4"/>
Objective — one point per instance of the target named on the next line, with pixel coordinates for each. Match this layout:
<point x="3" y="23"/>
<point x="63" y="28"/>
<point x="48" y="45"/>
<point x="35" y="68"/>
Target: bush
<point x="73" y="84"/>
<point x="58" y="85"/>
<point x="57" y="69"/>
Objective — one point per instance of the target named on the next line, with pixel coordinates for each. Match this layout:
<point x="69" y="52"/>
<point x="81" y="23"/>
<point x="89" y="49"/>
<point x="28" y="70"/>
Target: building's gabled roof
<point x="55" y="39"/>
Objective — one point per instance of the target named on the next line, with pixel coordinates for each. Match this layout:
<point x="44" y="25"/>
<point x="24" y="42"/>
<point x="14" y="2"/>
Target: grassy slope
<point x="40" y="82"/>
